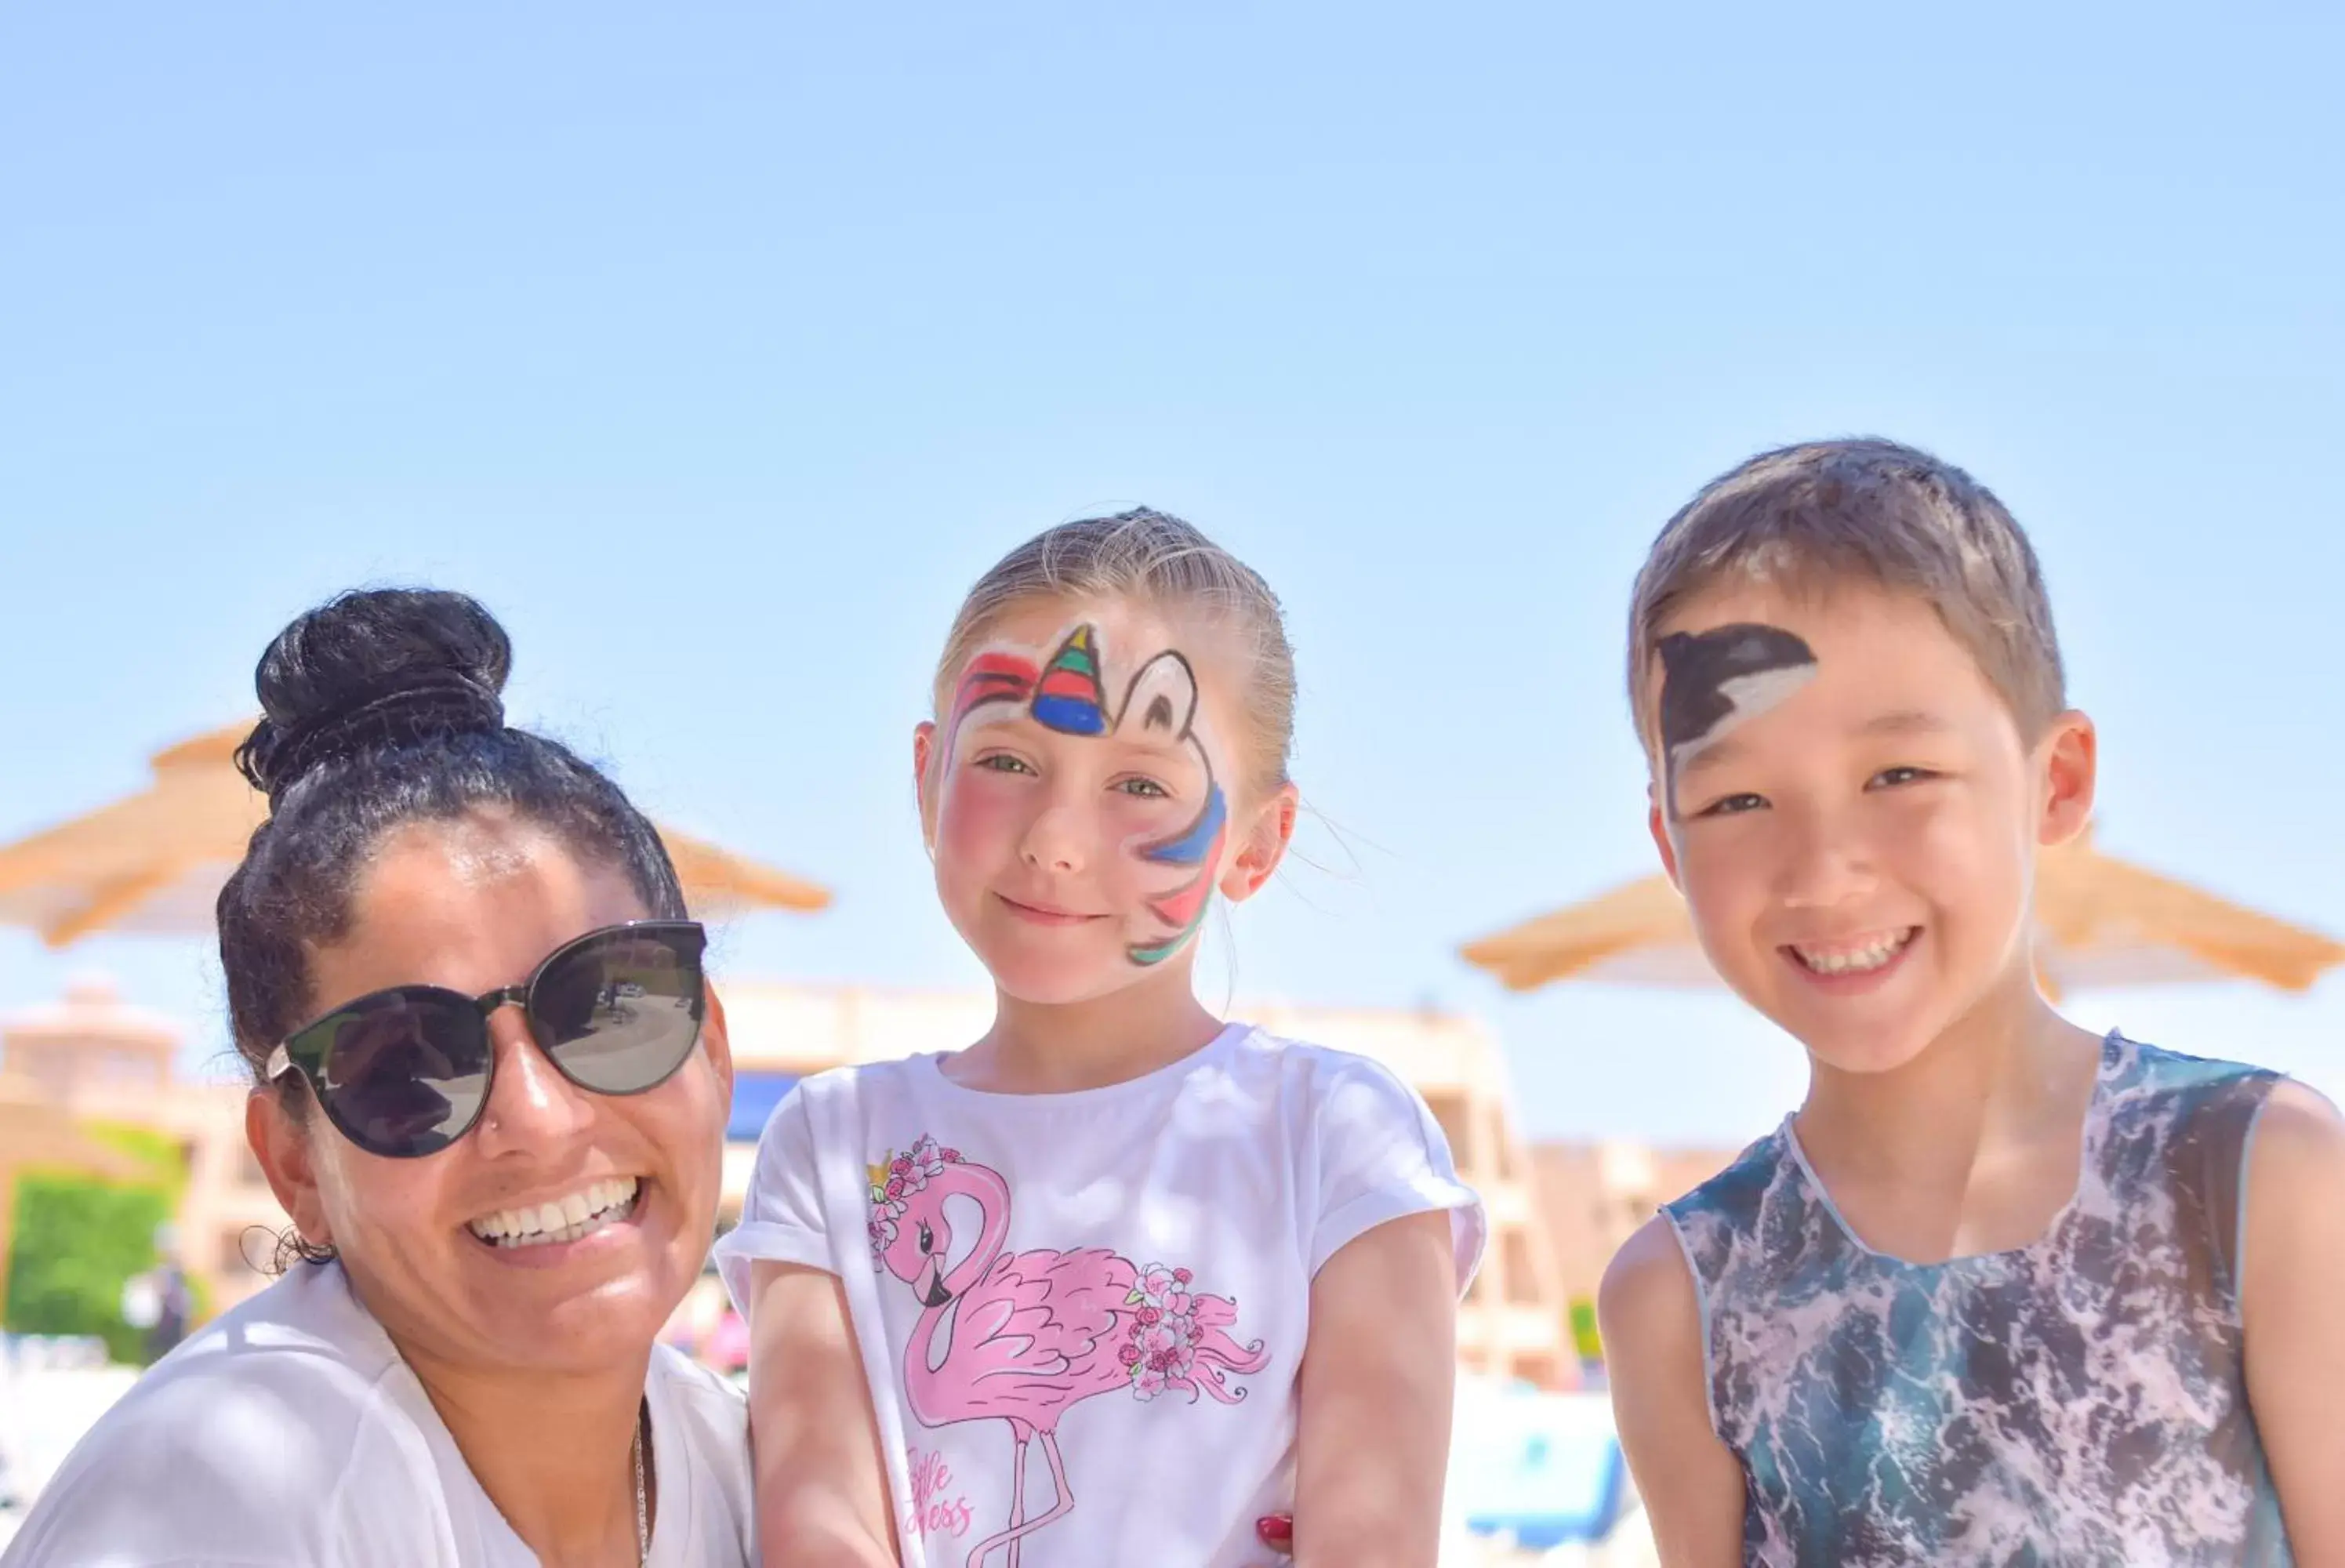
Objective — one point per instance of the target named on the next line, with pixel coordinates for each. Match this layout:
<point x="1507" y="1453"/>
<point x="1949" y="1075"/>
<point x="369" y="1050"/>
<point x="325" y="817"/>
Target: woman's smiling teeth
<point x="1860" y="956"/>
<point x="581" y="1213"/>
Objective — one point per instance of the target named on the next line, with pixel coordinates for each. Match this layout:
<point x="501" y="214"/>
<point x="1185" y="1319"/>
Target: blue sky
<point x="719" y="351"/>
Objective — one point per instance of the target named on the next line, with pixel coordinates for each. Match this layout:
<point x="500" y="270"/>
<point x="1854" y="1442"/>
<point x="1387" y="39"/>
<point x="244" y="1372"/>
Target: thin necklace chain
<point x="643" y="1517"/>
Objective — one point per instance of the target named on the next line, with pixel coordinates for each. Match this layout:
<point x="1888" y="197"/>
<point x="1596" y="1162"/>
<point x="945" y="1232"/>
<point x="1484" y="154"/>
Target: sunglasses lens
<point x="619" y="1014"/>
<point x="403" y="1074"/>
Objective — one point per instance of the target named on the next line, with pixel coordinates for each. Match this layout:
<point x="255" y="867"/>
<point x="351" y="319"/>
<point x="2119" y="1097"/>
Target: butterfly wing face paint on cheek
<point x="1714" y="682"/>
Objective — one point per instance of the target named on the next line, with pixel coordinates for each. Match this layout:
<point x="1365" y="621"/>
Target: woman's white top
<point x="290" y="1434"/>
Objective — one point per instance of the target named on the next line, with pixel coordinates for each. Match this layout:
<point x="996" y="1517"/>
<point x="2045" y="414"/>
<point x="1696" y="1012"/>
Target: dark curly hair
<point x="382" y="708"/>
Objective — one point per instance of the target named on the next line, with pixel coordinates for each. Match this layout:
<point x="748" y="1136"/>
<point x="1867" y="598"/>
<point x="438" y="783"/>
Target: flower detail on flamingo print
<point x="895" y="1179"/>
<point x="892" y="1180"/>
<point x="1174" y="1338"/>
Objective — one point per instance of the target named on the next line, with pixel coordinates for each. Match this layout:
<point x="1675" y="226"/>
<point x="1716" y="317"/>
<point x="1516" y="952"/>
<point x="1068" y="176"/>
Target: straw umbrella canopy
<point x="2100" y="921"/>
<point x="155" y="861"/>
<point x="34" y="1135"/>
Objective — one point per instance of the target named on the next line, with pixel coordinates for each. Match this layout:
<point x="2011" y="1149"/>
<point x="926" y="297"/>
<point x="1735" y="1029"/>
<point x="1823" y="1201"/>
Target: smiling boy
<point x="2000" y="1290"/>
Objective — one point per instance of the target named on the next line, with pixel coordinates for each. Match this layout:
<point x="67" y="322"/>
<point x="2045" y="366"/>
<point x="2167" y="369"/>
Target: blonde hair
<point x="1875" y="512"/>
<point x="1158" y="560"/>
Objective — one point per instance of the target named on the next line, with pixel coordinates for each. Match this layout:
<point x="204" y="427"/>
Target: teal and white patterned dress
<point x="2080" y="1401"/>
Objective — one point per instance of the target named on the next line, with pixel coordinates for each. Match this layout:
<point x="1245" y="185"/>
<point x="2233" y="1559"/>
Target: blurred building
<point x="98" y="1058"/>
<point x="1592" y="1197"/>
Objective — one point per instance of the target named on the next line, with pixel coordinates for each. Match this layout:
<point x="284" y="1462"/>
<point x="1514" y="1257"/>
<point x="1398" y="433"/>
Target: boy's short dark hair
<point x="1875" y="512"/>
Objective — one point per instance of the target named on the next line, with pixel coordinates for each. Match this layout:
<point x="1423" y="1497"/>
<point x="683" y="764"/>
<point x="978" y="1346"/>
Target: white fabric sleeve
<point x="1382" y="1157"/>
<point x="781" y="1217"/>
<point x="230" y="1468"/>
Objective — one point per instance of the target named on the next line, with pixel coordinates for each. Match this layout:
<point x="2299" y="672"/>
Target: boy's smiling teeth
<point x="568" y="1219"/>
<point x="1857" y="957"/>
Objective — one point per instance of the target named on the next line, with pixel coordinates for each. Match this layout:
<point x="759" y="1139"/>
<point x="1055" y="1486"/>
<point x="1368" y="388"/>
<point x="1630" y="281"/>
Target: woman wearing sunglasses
<point x="490" y="1088"/>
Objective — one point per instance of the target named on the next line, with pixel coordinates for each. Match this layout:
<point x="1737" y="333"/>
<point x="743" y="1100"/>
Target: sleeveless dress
<point x="2080" y="1401"/>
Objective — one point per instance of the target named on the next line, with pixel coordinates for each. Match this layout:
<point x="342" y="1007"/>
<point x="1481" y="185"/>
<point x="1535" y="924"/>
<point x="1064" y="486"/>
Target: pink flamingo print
<point x="1027" y="1334"/>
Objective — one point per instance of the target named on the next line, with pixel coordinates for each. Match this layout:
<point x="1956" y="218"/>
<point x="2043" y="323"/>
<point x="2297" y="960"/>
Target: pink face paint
<point x="993" y="676"/>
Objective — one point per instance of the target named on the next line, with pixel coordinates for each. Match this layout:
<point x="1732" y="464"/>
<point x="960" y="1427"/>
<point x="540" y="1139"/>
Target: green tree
<point x="79" y="1242"/>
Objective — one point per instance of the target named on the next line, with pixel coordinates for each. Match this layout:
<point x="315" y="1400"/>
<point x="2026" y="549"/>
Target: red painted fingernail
<point x="1277" y="1530"/>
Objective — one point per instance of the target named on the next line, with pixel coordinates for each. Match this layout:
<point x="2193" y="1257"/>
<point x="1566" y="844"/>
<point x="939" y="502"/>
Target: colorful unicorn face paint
<point x="1714" y="682"/>
<point x="1136" y="825"/>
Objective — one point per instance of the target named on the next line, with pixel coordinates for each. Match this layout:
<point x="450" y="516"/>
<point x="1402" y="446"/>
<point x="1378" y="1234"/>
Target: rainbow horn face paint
<point x="1069" y="697"/>
<point x="1068" y="693"/>
<point x="1715" y="682"/>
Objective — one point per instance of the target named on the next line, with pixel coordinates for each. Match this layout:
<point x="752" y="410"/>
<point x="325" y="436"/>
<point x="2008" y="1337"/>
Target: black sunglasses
<point x="404" y="1073"/>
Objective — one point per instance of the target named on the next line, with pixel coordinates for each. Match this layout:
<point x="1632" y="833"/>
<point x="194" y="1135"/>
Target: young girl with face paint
<point x="2001" y="1291"/>
<point x="1120" y="1281"/>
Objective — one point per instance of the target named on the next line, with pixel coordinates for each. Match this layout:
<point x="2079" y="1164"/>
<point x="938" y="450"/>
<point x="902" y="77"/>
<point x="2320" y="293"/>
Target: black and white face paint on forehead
<point x="1714" y="682"/>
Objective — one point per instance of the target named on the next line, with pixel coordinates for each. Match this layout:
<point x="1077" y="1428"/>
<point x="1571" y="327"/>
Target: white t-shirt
<point x="1114" y="1363"/>
<point x="289" y="1434"/>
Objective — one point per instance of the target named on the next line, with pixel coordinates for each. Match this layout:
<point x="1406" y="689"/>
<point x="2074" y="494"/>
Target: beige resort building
<point x="97" y="1057"/>
<point x="100" y="1059"/>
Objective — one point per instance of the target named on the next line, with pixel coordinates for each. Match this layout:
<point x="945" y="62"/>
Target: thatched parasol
<point x="155" y="861"/>
<point x="2100" y="922"/>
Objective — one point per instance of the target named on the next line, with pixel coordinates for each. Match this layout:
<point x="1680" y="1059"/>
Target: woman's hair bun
<point x="374" y="668"/>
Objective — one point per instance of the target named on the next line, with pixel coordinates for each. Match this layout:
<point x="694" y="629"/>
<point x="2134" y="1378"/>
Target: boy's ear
<point x="2068" y="768"/>
<point x="1657" y="822"/>
<point x="924" y="747"/>
<point x="1269" y="830"/>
